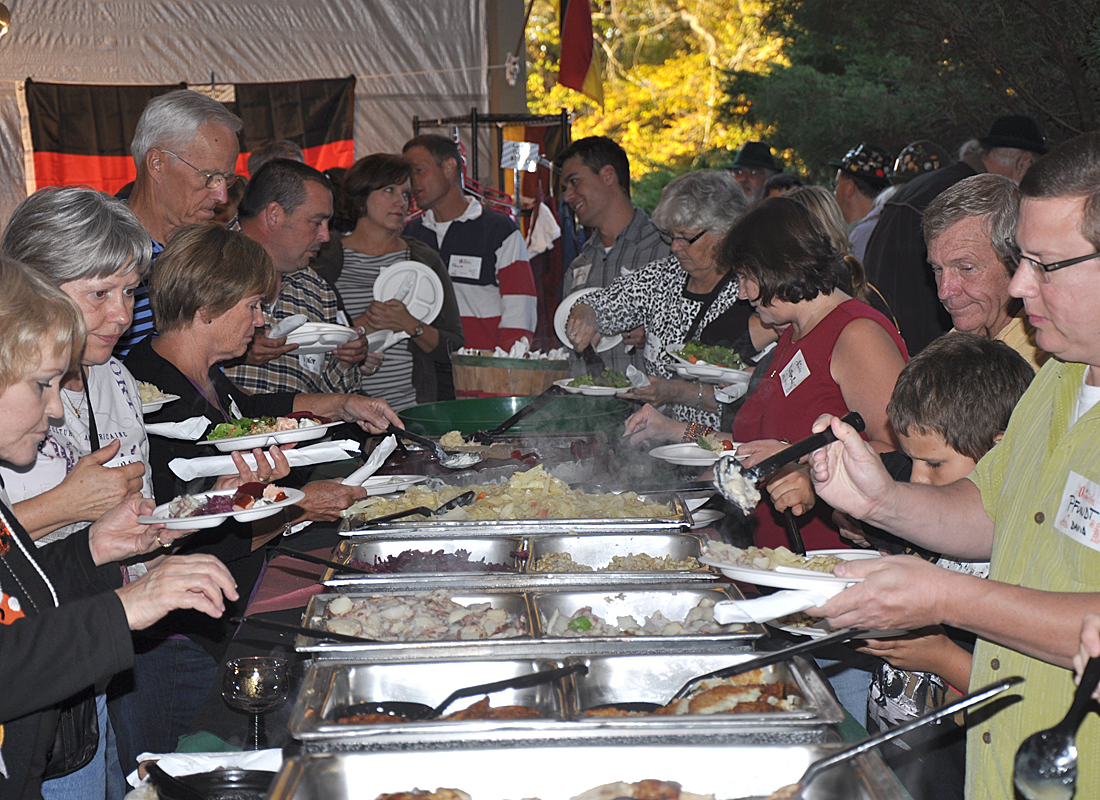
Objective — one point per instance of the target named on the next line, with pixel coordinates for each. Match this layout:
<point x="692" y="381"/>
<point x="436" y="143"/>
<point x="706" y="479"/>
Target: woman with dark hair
<point x="836" y="354"/>
<point x="371" y="207"/>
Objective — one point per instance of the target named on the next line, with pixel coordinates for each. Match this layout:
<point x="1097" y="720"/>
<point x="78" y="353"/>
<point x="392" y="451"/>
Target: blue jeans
<point x="850" y="677"/>
<point x="153" y="704"/>
<point x="99" y="778"/>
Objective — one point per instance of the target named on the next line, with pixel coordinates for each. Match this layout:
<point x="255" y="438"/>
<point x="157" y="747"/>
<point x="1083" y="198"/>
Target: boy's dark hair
<point x="596" y="152"/>
<point x="963" y="387"/>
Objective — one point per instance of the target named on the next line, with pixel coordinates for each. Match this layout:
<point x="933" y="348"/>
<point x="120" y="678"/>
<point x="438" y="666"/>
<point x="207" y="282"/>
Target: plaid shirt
<point x="302" y="292"/>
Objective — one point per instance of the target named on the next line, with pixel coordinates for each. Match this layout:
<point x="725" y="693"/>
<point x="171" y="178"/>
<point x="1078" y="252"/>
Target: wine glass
<point x="255" y="685"/>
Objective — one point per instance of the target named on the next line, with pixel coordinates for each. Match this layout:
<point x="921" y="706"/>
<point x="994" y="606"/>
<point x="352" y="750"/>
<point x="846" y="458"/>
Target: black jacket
<point x="52" y="652"/>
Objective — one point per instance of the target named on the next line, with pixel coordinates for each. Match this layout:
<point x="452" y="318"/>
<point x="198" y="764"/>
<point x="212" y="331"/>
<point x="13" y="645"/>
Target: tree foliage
<point x="664" y="65"/>
<point x="942" y="70"/>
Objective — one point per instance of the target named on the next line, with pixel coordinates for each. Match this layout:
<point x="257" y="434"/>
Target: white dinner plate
<point x="415" y="285"/>
<point x="319" y="337"/>
<point x="790" y="580"/>
<point x="687" y="454"/>
<point x="590" y="391"/>
<point x="561" y="316"/>
<point x="704" y="372"/>
<point x="387" y="484"/>
<point x="708" y="516"/>
<point x="160" y="513"/>
<point x="382" y="340"/>
<point x="156" y="405"/>
<point x="307" y="434"/>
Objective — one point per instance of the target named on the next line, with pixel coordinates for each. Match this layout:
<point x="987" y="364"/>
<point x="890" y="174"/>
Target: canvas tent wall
<point x="426" y="57"/>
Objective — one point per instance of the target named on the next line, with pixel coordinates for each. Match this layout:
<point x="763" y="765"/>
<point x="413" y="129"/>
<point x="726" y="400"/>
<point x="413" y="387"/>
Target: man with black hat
<point x="752" y="167"/>
<point x="860" y="176"/>
<point x="897" y="259"/>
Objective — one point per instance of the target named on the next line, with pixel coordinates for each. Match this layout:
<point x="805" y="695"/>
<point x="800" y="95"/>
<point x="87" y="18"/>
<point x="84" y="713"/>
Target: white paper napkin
<point x="731" y="393"/>
<point x="189" y="429"/>
<point x="190" y="468"/>
<point x="376" y="460"/>
<point x="637" y="378"/>
<point x="773" y="606"/>
<point x="176" y="764"/>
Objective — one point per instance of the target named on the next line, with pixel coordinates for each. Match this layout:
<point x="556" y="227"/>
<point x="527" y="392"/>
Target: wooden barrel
<point x="487" y="376"/>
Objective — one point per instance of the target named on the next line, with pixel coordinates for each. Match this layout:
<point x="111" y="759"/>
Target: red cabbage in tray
<point x="435" y="561"/>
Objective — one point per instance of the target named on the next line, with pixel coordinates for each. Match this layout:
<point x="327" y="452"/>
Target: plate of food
<point x="780" y="567"/>
<point x="708" y="363"/>
<point x="415" y="285"/>
<point x="249" y="432"/>
<point x="607" y="384"/>
<point x="561" y="316"/>
<point x="152" y="398"/>
<point x="388" y="484"/>
<point x="249" y="501"/>
<point x="703" y="452"/>
<point x="319" y="337"/>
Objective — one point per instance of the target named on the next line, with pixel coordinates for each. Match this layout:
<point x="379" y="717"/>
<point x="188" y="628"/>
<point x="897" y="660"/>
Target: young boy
<point x="951" y="405"/>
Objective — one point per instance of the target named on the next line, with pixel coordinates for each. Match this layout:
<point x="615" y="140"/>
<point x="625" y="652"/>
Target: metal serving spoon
<point x="741" y="485"/>
<point x="463" y="499"/>
<point x="1046" y="763"/>
<point x="448" y="460"/>
<point x="486" y="437"/>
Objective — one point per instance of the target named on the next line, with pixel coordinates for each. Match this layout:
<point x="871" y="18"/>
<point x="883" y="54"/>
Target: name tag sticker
<point x="1079" y="511"/>
<point x="796" y="371"/>
<point x="312" y="362"/>
<point x="464" y="267"/>
<point x="580" y="276"/>
<point x="342" y="318"/>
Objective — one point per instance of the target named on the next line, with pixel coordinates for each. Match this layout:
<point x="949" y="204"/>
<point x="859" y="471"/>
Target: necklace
<point x="75" y="407"/>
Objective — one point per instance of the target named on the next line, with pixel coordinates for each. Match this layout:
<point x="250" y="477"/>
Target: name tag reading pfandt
<point x="1079" y="511"/>
<point x="464" y="267"/>
<point x="796" y="371"/>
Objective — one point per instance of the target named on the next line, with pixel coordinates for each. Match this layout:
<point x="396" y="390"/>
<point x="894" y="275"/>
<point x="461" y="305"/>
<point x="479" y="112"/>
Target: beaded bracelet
<point x="695" y="430"/>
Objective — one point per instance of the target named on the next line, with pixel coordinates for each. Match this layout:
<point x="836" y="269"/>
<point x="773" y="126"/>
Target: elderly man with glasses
<point x="1030" y="507"/>
<point x="185" y="148"/>
<point x="752" y="168"/>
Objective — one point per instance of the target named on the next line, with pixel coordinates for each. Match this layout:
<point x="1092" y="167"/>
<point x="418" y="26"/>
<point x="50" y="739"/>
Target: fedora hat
<point x="1015" y="130"/>
<point x="756" y="155"/>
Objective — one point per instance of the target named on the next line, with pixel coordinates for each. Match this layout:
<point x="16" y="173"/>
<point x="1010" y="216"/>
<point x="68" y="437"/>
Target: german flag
<point x="80" y="134"/>
<point x="579" y="63"/>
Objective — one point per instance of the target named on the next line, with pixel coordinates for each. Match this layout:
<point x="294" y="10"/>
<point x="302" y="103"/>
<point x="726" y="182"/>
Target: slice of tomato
<point x="727" y="445"/>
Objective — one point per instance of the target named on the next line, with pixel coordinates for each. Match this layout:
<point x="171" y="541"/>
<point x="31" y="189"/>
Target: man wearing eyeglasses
<point x="1031" y="506"/>
<point x="752" y="168"/>
<point x="185" y="148"/>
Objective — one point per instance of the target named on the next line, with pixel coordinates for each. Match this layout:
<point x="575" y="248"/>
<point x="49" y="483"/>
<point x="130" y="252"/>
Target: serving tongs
<point x="486" y="437"/>
<point x="419" y="712"/>
<point x="775" y="657"/>
<point x="730" y="477"/>
<point x="463" y="499"/>
<point x="324" y="562"/>
<point x="794" y="790"/>
<point x="448" y="460"/>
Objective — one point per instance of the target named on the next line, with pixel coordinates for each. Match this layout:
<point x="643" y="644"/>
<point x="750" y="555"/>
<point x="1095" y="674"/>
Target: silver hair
<point x="172" y="120"/>
<point x="709" y="199"/>
<point x="992" y="196"/>
<point x="74" y="233"/>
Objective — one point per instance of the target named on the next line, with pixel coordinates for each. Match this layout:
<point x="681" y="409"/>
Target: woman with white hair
<point x="685" y="297"/>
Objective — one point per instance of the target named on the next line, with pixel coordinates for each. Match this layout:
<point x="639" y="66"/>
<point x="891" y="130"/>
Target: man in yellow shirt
<point x="1031" y="507"/>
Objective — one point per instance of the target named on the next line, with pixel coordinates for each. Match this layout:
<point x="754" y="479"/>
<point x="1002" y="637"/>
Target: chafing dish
<point x="331" y="689"/>
<point x="673" y="601"/>
<point x="560" y="773"/>
<point x="592" y="550"/>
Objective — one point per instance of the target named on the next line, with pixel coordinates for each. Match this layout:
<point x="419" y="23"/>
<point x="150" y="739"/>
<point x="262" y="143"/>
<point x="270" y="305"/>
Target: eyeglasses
<point x="213" y="179"/>
<point x="1043" y="270"/>
<point x="670" y="239"/>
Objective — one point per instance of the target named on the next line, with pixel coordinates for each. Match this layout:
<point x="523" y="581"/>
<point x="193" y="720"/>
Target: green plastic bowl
<point x="562" y="414"/>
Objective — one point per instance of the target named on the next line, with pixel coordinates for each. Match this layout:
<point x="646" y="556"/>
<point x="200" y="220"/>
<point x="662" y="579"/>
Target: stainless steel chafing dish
<point x="331" y="691"/>
<point x="680" y="519"/>
<point x="673" y="601"/>
<point x="560" y="773"/>
<point x="592" y="550"/>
